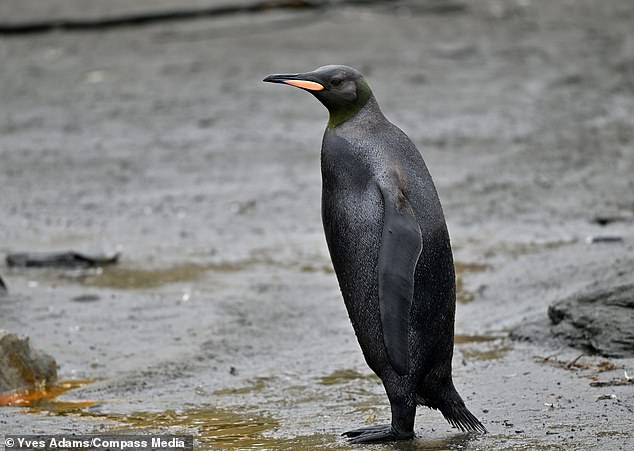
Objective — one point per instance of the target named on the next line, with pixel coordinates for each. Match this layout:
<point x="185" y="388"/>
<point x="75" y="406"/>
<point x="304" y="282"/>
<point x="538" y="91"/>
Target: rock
<point x="604" y="239"/>
<point x="60" y="260"/>
<point x="86" y="298"/>
<point x="599" y="321"/>
<point x="610" y="218"/>
<point x="22" y="366"/>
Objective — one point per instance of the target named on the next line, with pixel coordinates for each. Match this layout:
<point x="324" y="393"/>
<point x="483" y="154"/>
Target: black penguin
<point x="390" y="248"/>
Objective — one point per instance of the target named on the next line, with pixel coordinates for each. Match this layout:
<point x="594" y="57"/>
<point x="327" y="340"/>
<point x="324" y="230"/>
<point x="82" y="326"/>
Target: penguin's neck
<point x="368" y="113"/>
<point x="340" y="115"/>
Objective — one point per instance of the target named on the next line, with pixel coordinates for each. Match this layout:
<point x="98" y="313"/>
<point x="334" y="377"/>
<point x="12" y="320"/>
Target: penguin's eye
<point x="335" y="81"/>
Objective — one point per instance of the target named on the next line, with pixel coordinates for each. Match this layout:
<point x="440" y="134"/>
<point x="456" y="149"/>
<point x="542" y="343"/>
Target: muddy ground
<point x="224" y="317"/>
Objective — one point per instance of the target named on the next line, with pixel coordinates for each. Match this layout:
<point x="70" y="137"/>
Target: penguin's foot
<point x="375" y="434"/>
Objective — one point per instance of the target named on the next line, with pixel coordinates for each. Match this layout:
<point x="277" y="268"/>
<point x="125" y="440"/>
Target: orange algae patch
<point x="42" y="397"/>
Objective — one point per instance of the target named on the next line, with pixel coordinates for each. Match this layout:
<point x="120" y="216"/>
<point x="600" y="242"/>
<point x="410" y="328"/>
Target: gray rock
<point x="60" y="260"/>
<point x="600" y="321"/>
<point x="22" y="366"/>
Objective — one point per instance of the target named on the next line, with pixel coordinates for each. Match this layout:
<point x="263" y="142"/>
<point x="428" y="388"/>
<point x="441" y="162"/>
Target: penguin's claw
<point x="375" y="434"/>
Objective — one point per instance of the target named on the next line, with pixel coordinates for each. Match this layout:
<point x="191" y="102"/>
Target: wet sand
<point x="224" y="317"/>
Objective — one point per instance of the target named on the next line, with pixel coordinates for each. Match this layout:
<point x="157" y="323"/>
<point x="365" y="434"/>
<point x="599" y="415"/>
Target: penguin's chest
<point x="352" y="220"/>
<point x="352" y="213"/>
<point x="351" y="200"/>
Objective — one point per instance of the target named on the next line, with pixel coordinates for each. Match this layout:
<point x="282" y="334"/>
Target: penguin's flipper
<point x="401" y="245"/>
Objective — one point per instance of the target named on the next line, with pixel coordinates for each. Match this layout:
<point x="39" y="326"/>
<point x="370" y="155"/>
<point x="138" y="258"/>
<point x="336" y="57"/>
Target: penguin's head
<point x="341" y="89"/>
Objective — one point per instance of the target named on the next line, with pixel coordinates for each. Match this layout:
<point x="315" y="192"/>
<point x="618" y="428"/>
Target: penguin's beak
<point x="303" y="81"/>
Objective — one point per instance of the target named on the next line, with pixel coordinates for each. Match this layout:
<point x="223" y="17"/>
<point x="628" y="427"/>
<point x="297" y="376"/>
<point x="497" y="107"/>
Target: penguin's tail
<point x="454" y="410"/>
<point x="457" y="414"/>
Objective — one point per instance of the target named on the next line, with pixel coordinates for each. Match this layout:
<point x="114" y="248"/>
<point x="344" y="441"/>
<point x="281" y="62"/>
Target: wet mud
<point x="223" y="317"/>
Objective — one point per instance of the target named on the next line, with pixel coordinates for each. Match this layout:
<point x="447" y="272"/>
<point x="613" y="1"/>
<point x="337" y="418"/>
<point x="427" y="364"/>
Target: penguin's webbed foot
<point x="375" y="434"/>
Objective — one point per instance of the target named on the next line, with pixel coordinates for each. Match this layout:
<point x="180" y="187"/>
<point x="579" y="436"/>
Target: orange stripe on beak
<point x="305" y="84"/>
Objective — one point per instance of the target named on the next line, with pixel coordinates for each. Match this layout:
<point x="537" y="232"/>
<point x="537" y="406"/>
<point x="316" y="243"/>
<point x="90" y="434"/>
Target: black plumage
<point x="389" y="245"/>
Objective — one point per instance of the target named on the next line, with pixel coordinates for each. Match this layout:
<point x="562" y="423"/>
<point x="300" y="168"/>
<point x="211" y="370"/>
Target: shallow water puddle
<point x="255" y="385"/>
<point x="494" y="353"/>
<point x="492" y="347"/>
<point x="131" y="279"/>
<point x="212" y="427"/>
<point x="343" y="376"/>
<point x="123" y="278"/>
<point x="44" y="398"/>
<point x="215" y="428"/>
<point x="463" y="295"/>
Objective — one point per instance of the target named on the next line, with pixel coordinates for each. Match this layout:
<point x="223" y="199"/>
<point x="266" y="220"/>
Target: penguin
<point x="389" y="245"/>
